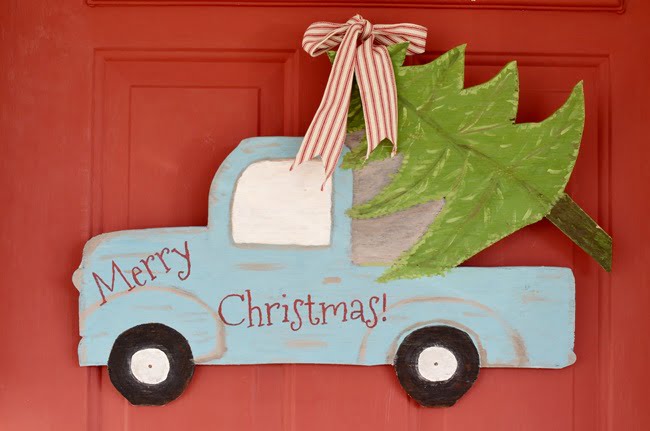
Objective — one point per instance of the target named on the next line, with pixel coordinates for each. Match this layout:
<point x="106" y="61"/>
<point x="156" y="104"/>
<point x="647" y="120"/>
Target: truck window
<point x="275" y="206"/>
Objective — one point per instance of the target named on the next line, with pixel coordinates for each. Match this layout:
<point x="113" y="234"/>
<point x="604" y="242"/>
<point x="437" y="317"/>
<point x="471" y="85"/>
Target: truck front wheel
<point x="436" y="365"/>
<point x="150" y="364"/>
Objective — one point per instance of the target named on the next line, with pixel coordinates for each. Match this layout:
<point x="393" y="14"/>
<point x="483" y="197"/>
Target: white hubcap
<point x="437" y="364"/>
<point x="150" y="366"/>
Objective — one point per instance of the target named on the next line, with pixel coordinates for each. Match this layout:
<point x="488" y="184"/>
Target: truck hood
<point x="108" y="246"/>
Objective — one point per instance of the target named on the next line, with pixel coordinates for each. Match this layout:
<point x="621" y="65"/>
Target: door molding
<point x="616" y="6"/>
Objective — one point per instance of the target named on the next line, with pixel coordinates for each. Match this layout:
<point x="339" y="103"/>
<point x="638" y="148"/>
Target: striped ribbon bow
<point x="362" y="52"/>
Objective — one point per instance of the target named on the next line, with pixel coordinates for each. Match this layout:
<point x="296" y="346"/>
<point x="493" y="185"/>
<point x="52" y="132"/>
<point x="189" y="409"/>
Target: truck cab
<point x="272" y="279"/>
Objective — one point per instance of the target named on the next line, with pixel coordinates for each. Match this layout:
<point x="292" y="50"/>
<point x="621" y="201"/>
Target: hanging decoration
<point x="362" y="53"/>
<point x="356" y="265"/>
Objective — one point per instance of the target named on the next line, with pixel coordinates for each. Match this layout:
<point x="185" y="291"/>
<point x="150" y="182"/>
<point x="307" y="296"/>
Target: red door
<point x="115" y="114"/>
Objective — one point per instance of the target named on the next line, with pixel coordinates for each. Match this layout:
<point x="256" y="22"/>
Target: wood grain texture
<point x="47" y="148"/>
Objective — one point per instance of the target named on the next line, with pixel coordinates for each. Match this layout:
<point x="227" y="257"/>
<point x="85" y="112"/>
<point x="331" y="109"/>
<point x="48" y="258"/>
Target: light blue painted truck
<point x="155" y="302"/>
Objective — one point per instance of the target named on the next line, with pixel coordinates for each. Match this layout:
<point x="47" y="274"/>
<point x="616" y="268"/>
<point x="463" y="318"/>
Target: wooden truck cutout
<point x="271" y="280"/>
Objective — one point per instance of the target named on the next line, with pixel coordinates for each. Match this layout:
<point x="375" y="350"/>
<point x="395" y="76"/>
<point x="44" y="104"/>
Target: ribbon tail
<point x="326" y="133"/>
<point x="376" y="80"/>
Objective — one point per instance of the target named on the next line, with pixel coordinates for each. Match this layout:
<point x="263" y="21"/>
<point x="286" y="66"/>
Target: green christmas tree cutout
<point x="463" y="145"/>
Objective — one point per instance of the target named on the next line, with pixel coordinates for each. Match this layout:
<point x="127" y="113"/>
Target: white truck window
<point x="275" y="206"/>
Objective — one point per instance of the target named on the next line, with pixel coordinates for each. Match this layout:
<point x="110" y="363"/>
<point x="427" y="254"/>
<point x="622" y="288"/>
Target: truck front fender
<point x="499" y="344"/>
<point x="100" y="324"/>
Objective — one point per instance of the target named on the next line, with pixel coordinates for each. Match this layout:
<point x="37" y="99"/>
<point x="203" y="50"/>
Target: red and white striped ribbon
<point x="362" y="52"/>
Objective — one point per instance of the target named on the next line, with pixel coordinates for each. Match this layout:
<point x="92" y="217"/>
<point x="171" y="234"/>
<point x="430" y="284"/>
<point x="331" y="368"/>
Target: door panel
<point x="115" y="114"/>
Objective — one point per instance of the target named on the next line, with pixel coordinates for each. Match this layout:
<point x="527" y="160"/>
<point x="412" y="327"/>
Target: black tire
<point x="155" y="338"/>
<point x="443" y="393"/>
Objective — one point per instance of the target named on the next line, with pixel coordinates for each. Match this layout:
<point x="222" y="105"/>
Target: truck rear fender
<point x="499" y="344"/>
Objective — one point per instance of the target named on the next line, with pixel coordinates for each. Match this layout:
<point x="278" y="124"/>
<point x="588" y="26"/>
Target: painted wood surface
<point x="382" y="240"/>
<point x="463" y="144"/>
<point x="228" y="299"/>
<point x="436" y="365"/>
<point x="88" y="94"/>
<point x="273" y="208"/>
<point x="266" y="300"/>
<point x="572" y="220"/>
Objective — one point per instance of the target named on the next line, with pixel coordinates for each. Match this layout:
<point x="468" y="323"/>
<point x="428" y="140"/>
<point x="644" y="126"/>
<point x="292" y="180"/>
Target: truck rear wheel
<point x="150" y="364"/>
<point x="436" y="365"/>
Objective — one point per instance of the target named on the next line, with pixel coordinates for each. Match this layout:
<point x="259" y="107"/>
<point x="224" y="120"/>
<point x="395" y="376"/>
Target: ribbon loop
<point x="362" y="52"/>
<point x="367" y="30"/>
